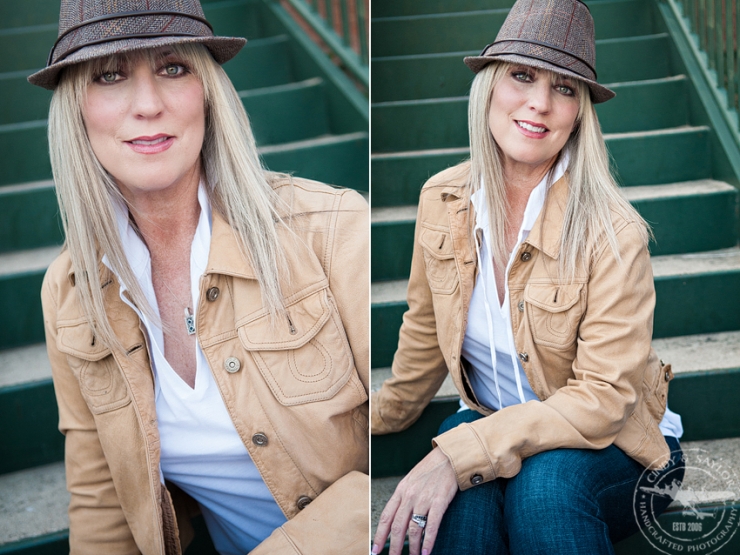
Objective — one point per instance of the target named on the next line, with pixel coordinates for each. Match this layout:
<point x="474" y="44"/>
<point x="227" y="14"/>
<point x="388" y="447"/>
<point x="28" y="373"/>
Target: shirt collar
<point x="534" y="204"/>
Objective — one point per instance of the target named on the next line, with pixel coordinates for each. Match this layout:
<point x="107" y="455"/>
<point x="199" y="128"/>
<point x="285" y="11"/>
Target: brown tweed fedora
<point x="557" y="35"/>
<point x="95" y="28"/>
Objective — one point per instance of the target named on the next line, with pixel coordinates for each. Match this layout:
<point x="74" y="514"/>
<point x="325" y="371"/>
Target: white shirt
<point x="496" y="375"/>
<point x="201" y="451"/>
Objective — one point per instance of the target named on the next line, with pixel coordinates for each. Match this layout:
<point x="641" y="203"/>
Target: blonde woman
<point x="531" y="284"/>
<point x="207" y="320"/>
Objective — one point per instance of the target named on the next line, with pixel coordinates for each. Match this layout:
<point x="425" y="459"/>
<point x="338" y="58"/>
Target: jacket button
<point x="524" y="357"/>
<point x="667" y="376"/>
<point x="303" y="502"/>
<point x="232" y="365"/>
<point x="476" y="479"/>
<point x="212" y="294"/>
<point x="520" y="306"/>
<point x="259" y="439"/>
<point x="526" y="256"/>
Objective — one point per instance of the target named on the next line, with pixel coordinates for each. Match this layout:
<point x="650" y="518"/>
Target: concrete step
<point x="695" y="293"/>
<point x="443" y="122"/>
<point x="641" y="158"/>
<point x="445" y="75"/>
<point x="692" y="216"/>
<point x="725" y="452"/>
<point x="33" y="502"/>
<point x="471" y="30"/>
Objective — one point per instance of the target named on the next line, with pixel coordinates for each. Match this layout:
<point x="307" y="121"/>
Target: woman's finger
<point x="385" y="522"/>
<point x="434" y="519"/>
<point x="416" y="533"/>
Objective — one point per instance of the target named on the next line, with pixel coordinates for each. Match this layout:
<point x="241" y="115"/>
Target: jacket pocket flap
<point x="78" y="340"/>
<point x="552" y="297"/>
<point x="437" y="243"/>
<point x="304" y="320"/>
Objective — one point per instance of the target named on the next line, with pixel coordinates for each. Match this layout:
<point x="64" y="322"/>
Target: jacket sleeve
<point x="96" y="521"/>
<point x="607" y="376"/>
<point x="335" y="523"/>
<point x="349" y="276"/>
<point x="419" y="367"/>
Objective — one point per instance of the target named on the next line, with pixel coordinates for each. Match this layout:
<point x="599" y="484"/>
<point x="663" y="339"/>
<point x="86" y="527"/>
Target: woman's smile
<point x="531" y="117"/>
<point x="146" y="124"/>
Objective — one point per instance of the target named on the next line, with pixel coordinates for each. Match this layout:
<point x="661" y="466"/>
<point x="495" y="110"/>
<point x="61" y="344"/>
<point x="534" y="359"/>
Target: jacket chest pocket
<point x="439" y="261"/>
<point x="306" y="358"/>
<point x="101" y="382"/>
<point x="554" y="313"/>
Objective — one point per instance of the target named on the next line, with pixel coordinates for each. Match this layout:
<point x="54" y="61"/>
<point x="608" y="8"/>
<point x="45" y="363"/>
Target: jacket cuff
<point x="467" y="455"/>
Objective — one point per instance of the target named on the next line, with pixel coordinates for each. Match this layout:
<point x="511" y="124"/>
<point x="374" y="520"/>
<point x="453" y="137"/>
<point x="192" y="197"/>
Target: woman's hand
<point x="427" y="490"/>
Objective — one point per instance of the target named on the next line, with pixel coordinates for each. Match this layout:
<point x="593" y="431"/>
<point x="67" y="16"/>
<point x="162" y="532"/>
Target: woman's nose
<point x="147" y="98"/>
<point x="540" y="96"/>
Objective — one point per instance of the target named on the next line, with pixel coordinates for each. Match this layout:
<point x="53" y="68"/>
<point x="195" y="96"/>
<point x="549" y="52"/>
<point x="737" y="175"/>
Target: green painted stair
<point x="668" y="154"/>
<point x="308" y="119"/>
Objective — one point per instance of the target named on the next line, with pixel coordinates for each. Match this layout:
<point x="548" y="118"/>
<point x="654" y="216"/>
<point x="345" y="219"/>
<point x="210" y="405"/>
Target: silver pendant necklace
<point x="189" y="316"/>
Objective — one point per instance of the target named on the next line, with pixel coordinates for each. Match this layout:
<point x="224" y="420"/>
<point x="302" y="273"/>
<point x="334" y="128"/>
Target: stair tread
<point x="708" y="352"/>
<point x="407" y="213"/>
<point x="723" y="260"/>
<point x="724" y="451"/>
<point x="33" y="502"/>
<point x="327" y="139"/>
<point x="24" y="365"/>
<point x="34" y="260"/>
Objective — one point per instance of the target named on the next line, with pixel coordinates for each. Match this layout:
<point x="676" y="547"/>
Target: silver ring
<point x="420" y="520"/>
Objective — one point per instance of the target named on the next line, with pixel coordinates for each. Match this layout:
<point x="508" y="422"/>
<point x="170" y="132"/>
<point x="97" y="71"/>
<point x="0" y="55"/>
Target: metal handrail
<point x="712" y="27"/>
<point x="342" y="26"/>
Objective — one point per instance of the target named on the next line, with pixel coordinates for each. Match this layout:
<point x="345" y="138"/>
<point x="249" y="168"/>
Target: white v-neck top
<point x="495" y="373"/>
<point x="201" y="451"/>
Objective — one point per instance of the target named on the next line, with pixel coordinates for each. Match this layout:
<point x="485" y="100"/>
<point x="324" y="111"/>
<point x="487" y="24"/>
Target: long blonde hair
<point x="593" y="195"/>
<point x="238" y="187"/>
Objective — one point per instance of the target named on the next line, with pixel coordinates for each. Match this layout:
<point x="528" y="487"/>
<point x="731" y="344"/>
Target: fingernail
<point x="374" y="550"/>
<point x="424" y="552"/>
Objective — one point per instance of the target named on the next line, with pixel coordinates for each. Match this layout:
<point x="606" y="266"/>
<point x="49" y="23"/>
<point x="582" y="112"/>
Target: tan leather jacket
<point x="298" y="399"/>
<point x="584" y="346"/>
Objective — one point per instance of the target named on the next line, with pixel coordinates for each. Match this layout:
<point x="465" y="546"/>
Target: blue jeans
<point x="564" y="501"/>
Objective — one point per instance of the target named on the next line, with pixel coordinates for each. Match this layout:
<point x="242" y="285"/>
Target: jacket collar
<point x="225" y="256"/>
<point x="548" y="228"/>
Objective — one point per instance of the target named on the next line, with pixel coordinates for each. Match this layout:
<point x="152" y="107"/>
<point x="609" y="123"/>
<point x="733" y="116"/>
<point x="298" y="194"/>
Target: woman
<point x="207" y="321"/>
<point x="531" y="283"/>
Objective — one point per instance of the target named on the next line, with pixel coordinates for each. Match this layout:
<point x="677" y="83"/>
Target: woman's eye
<point x="108" y="77"/>
<point x="522" y="76"/>
<point x="564" y="89"/>
<point x="174" y="69"/>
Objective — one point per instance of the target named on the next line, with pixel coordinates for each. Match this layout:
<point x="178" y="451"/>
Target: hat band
<point x="120" y="15"/>
<point x="546" y="45"/>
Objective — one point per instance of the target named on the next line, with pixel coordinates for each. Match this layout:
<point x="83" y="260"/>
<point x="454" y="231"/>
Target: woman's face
<point x="531" y="117"/>
<point x="146" y="124"/>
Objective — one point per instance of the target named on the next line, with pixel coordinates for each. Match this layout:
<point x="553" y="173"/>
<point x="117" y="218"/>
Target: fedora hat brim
<point x="599" y="93"/>
<point x="222" y="49"/>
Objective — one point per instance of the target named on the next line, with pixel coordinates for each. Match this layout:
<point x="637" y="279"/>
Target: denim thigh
<point x="562" y="501"/>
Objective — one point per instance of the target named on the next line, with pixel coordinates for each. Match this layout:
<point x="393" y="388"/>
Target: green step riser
<point x="470" y="32"/>
<point x="444" y="124"/>
<point x="447" y="76"/>
<point x="29" y="220"/>
<point x="24" y="322"/>
<point x="685" y="305"/>
<point x="33" y="439"/>
<point x="648" y="160"/>
<point x="706" y="402"/>
<point x="299" y="115"/>
<point x="264" y="65"/>
<point x="680" y="225"/>
<point x="29" y="50"/>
